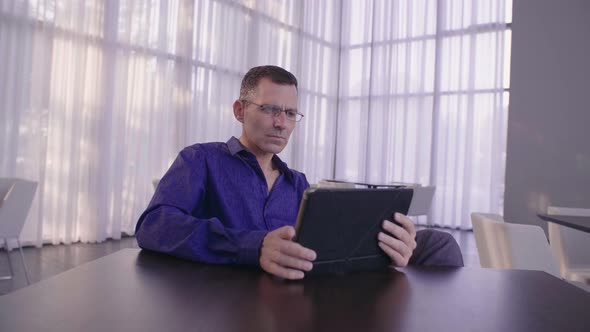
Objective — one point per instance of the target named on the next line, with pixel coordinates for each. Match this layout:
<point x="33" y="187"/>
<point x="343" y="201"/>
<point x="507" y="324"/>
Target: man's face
<point x="266" y="132"/>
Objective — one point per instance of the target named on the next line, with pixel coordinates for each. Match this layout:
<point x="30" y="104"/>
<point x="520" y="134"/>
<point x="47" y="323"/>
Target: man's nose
<point x="280" y="120"/>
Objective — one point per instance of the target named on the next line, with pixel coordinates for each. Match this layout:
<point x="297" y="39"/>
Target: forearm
<point x="170" y="230"/>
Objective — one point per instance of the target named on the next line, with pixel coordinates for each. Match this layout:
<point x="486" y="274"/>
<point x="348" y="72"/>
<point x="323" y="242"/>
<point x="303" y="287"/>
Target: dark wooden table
<point x="142" y="291"/>
<point x="579" y="223"/>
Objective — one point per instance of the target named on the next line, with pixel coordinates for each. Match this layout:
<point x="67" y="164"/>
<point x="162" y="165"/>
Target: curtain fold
<point x="423" y="99"/>
<point x="97" y="98"/>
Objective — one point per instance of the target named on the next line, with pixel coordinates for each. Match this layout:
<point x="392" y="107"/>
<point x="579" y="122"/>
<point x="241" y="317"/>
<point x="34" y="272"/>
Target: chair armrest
<point x="6" y="196"/>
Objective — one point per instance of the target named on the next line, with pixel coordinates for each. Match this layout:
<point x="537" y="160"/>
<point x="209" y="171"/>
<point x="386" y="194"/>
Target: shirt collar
<point x="283" y="168"/>
<point x="235" y="147"/>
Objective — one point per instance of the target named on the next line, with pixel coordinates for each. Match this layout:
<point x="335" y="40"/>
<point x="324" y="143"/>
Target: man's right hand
<point x="282" y="257"/>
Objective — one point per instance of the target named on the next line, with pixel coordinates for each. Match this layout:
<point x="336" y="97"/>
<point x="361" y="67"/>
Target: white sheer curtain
<point x="423" y="99"/>
<point x="97" y="97"/>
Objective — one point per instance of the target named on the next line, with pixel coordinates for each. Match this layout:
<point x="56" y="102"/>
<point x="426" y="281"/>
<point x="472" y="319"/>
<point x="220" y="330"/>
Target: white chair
<point x="512" y="246"/>
<point x="155" y="182"/>
<point x="16" y="198"/>
<point x="570" y="246"/>
<point x="332" y="184"/>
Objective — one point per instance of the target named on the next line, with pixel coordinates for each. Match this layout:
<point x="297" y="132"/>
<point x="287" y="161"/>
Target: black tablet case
<point x="341" y="225"/>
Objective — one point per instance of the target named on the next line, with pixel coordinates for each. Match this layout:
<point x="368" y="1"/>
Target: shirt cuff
<point x="250" y="244"/>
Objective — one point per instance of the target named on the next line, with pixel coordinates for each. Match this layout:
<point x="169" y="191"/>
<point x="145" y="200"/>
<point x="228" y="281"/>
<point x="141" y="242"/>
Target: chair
<point x="570" y="246"/>
<point x="332" y="184"/>
<point x="155" y="182"/>
<point x="512" y="246"/>
<point x="16" y="198"/>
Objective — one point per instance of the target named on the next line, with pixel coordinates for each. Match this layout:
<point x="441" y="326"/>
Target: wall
<point x="548" y="145"/>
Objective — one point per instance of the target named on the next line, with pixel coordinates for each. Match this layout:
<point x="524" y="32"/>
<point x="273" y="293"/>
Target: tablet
<point x="341" y="226"/>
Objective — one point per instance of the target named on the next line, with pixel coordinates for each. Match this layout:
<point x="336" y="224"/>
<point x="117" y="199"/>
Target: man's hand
<point x="284" y="258"/>
<point x="398" y="242"/>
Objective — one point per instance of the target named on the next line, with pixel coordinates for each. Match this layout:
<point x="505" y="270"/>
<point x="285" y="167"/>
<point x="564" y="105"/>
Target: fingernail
<point x="397" y="215"/>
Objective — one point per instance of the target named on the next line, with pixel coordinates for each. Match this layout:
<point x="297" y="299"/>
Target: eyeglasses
<point x="275" y="111"/>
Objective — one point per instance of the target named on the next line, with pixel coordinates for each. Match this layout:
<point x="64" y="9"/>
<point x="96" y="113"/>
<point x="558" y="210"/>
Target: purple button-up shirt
<point x="213" y="205"/>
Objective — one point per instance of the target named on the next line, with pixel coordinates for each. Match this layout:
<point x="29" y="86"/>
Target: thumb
<point x="286" y="232"/>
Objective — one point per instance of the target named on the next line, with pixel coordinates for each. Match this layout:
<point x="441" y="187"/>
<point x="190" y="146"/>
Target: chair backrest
<point x="332" y="184"/>
<point x="566" y="211"/>
<point x="155" y="182"/>
<point x="16" y="198"/>
<point x="488" y="247"/>
<point x="504" y="245"/>
<point x="570" y="246"/>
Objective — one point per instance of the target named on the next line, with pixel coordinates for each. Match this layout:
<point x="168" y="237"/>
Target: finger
<point x="283" y="272"/>
<point x="283" y="260"/>
<point x="294" y="263"/>
<point x="398" y="232"/>
<point x="397" y="245"/>
<point x="296" y="250"/>
<point x="286" y="232"/>
<point x="398" y="260"/>
<point x="406" y="223"/>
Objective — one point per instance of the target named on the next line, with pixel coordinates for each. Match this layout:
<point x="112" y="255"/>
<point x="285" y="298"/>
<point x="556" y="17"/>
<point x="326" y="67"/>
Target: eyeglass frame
<point x="274" y="113"/>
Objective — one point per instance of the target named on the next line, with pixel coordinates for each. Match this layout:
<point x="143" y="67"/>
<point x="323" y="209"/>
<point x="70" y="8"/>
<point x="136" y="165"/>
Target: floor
<point x="43" y="263"/>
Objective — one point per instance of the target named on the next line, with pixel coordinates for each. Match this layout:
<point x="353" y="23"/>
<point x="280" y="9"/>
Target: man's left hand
<point x="398" y="242"/>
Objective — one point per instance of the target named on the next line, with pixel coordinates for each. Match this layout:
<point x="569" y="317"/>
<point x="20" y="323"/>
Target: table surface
<point x="579" y="223"/>
<point x="133" y="290"/>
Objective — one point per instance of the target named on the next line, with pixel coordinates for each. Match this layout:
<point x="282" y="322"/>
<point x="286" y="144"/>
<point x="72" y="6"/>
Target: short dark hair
<point x="276" y="74"/>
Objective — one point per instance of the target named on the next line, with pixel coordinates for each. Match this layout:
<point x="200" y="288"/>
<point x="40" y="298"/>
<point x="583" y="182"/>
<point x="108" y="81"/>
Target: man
<point x="237" y="202"/>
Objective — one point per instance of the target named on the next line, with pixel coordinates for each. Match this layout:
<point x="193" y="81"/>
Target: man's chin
<point x="275" y="147"/>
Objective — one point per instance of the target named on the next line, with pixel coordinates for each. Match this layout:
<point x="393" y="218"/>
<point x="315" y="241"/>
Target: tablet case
<point x="341" y="226"/>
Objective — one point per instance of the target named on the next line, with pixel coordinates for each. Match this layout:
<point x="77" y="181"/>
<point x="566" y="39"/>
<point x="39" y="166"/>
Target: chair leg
<point x="22" y="257"/>
<point x="8" y="277"/>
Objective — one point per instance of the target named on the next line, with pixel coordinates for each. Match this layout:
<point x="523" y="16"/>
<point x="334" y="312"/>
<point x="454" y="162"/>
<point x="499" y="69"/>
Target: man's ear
<point x="239" y="111"/>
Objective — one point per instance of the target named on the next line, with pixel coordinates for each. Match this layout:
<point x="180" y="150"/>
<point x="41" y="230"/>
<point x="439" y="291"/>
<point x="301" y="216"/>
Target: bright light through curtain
<point x="424" y="99"/>
<point x="97" y="97"/>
